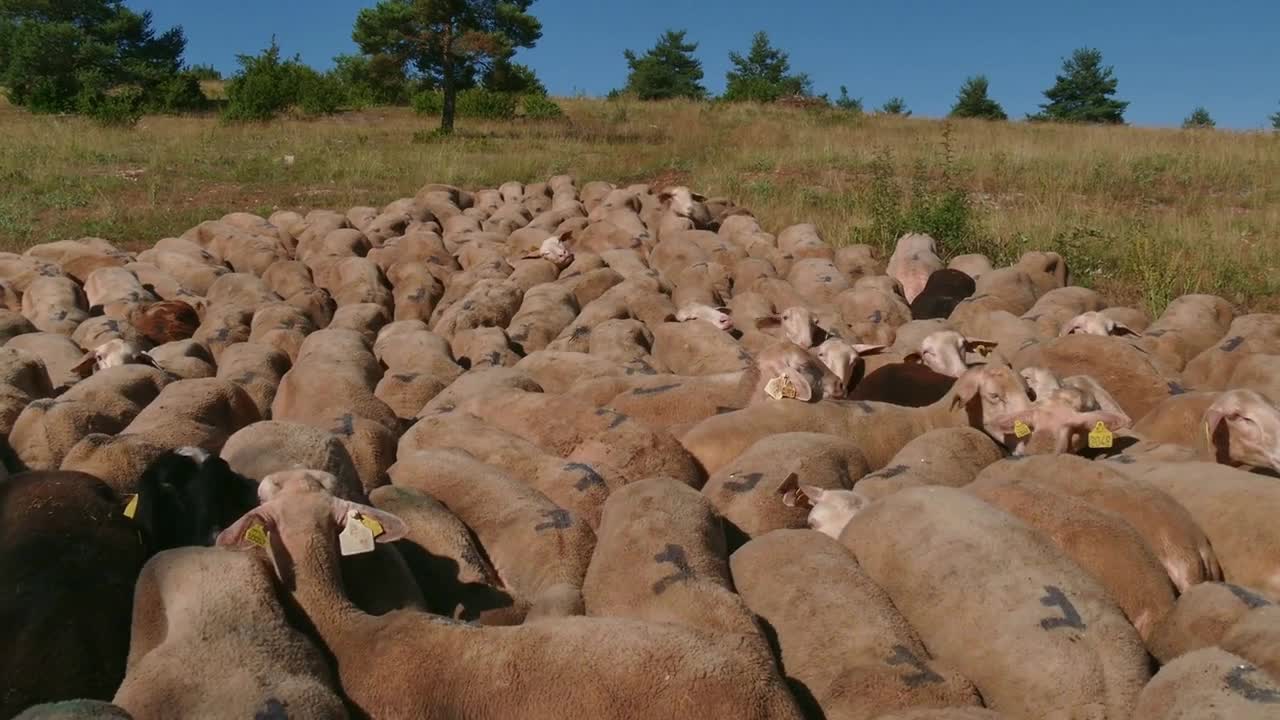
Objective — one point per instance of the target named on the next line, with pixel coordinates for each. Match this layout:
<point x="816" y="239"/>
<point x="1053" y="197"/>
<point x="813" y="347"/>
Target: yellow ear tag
<point x="1020" y="429"/>
<point x="257" y="535"/>
<point x="132" y="508"/>
<point x="374" y="526"/>
<point x="1101" y="437"/>
<point x="1208" y="434"/>
<point x="780" y="387"/>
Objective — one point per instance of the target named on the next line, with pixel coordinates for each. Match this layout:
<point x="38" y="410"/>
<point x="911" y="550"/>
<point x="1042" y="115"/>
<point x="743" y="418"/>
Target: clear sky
<point x="1170" y="55"/>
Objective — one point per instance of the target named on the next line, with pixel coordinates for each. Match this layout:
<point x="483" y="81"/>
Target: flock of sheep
<point x="544" y="451"/>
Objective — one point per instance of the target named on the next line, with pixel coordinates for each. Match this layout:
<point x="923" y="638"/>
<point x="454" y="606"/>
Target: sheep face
<point x="947" y="352"/>
<point x="1058" y="422"/>
<point x="990" y="393"/>
<point x="1243" y="428"/>
<point x="1095" y="323"/>
<point x="797" y="324"/>
<point x="684" y="203"/>
<point x="721" y="317"/>
<point x="792" y="373"/>
<point x="296" y="518"/>
<point x="187" y="496"/>
<point x="113" y="353"/>
<point x="832" y="509"/>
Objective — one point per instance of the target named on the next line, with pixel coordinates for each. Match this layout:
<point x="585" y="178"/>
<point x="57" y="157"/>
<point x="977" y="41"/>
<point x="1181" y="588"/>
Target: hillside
<point x="1145" y="215"/>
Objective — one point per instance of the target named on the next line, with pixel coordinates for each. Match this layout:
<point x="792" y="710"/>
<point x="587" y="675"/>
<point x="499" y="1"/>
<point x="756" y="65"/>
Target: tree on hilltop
<point x="1199" y="119"/>
<point x="668" y="70"/>
<point x="1275" y="121"/>
<point x="1083" y="92"/>
<point x="449" y="42"/>
<point x="764" y="74"/>
<point x="895" y="106"/>
<point x="844" y="102"/>
<point x="973" y="101"/>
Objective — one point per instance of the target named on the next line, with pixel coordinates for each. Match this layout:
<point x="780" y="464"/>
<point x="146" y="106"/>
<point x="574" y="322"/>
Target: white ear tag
<point x="356" y="538"/>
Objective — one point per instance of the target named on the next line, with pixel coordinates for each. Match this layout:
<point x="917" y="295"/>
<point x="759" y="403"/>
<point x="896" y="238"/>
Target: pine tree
<point x="764" y="74"/>
<point x="973" y="101"/>
<point x="1199" y="119"/>
<point x="844" y="102"/>
<point x="895" y="106"/>
<point x="668" y="70"/>
<point x="1275" y="121"/>
<point x="1083" y="92"/>
<point x="449" y="42"/>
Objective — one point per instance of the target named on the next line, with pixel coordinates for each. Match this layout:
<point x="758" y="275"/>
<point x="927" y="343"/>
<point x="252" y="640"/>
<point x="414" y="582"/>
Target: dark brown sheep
<point x="908" y="384"/>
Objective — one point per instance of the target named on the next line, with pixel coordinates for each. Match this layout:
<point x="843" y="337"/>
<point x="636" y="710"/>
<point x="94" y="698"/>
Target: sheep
<point x="1168" y="529"/>
<point x="660" y="557"/>
<point x="580" y="488"/>
<point x="1256" y="637"/>
<point x="185" y="359"/>
<point x="1103" y="545"/>
<point x="187" y="496"/>
<point x="54" y="305"/>
<point x="1053" y="641"/>
<point x="69" y="570"/>
<point x="47" y="429"/>
<point x="1095" y="323"/>
<point x="728" y="683"/>
<point x="796" y="324"/>
<point x="1058" y="422"/>
<point x="201" y="413"/>
<point x="948" y="456"/>
<point x="802" y="584"/>
<point x="905" y="384"/>
<point x="63" y="359"/>
<point x="1248" y="335"/>
<point x="539" y="550"/>
<point x="1235" y="509"/>
<point x="949" y="353"/>
<point x="1209" y="683"/>
<point x="264" y="664"/>
<point x="1188" y="326"/>
<point x="721" y="317"/>
<point x="751" y="493"/>
<point x="914" y="259"/>
<point x="113" y="353"/>
<point x="1202" y="617"/>
<point x="944" y="290"/>
<point x="264" y="448"/>
<point x="1123" y="370"/>
<point x="457" y="581"/>
<point x="880" y="430"/>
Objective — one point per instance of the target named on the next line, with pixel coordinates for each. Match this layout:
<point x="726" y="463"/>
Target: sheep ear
<point x="874" y="349"/>
<point x="1217" y="434"/>
<point x="97" y="311"/>
<point x="770" y="322"/>
<point x="84" y="368"/>
<point x="252" y="528"/>
<point x="144" y="358"/>
<point x="790" y="491"/>
<point x="665" y="197"/>
<point x="725" y="310"/>
<point x="813" y="494"/>
<point x="913" y="359"/>
<point x="1122" y="329"/>
<point x="697" y="197"/>
<point x="385" y="526"/>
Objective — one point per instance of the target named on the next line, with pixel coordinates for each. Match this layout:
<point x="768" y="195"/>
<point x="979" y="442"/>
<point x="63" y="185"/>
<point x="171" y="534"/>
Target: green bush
<point x="541" y="107"/>
<point x="180" y="93"/>
<point x="428" y="102"/>
<point x="486" y="104"/>
<point x="122" y="108"/>
<point x="265" y="86"/>
<point x="320" y="94"/>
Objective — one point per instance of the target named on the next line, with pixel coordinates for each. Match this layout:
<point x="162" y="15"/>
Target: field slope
<point x="1142" y="214"/>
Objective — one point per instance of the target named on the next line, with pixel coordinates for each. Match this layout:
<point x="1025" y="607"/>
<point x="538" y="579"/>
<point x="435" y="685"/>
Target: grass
<point x="1143" y="215"/>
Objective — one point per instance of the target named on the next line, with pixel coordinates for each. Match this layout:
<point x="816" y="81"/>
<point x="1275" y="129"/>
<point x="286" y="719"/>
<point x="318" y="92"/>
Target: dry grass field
<point x="1144" y="215"/>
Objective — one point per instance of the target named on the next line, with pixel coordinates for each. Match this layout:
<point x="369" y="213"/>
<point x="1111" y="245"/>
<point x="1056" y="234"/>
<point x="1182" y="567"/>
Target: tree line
<point x="445" y="57"/>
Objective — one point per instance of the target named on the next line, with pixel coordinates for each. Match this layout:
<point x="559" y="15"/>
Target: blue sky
<point x="1170" y="55"/>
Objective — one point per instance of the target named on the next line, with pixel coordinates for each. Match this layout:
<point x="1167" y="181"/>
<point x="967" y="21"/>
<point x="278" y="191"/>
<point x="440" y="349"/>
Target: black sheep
<point x="942" y="293"/>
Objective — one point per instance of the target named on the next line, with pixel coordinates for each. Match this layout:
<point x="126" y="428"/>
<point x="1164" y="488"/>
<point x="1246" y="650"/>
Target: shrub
<point x="541" y="107"/>
<point x="486" y="104"/>
<point x="428" y="102"/>
<point x="320" y="94"/>
<point x="265" y="86"/>
<point x="180" y="93"/>
<point x="122" y="108"/>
